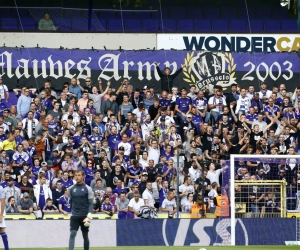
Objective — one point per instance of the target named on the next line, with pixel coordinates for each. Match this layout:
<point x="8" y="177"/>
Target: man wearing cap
<point x="12" y="190"/>
<point x="168" y="119"/>
<point x="25" y="205"/>
<point x="167" y="80"/>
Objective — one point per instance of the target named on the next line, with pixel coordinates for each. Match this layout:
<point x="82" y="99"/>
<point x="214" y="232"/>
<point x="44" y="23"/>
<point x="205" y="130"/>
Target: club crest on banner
<point x="209" y="68"/>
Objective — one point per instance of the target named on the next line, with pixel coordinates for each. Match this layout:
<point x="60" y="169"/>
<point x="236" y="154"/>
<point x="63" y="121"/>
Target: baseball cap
<point x="6" y="110"/>
<point x="10" y="179"/>
<point x="189" y="115"/>
<point x="145" y="87"/>
<point x="25" y="195"/>
<point x="44" y="163"/>
<point x="163" y="119"/>
<point x="290" y="105"/>
<point x="122" y="148"/>
<point x="70" y="117"/>
<point x="145" y="173"/>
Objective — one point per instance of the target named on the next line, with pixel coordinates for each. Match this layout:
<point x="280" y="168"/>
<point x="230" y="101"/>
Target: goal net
<point x="262" y="186"/>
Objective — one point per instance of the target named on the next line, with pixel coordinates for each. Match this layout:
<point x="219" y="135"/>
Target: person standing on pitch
<point x="2" y="222"/>
<point x="81" y="196"/>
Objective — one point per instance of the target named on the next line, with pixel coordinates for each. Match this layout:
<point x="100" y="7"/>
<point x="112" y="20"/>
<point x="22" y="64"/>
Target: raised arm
<point x="266" y="128"/>
<point x="105" y="91"/>
<point x="158" y="70"/>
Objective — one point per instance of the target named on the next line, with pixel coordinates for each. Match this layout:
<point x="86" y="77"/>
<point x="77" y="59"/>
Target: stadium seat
<point x="228" y="13"/>
<point x="237" y="25"/>
<point x="5" y="12"/>
<point x="289" y="25"/>
<point x="98" y="24"/>
<point x="80" y="24"/>
<point x="150" y="25"/>
<point x="272" y="25"/>
<point x="220" y="25"/>
<point x="212" y="13"/>
<point x="21" y="12"/>
<point x="28" y="24"/>
<point x="263" y="13"/>
<point x="63" y="23"/>
<point x="178" y="12"/>
<point x="168" y="25"/>
<point x="164" y="12"/>
<point x="194" y="13"/>
<point x="280" y="13"/>
<point x="202" y="25"/>
<point x="9" y="23"/>
<point x="115" y="25"/>
<point x="108" y="14"/>
<point x="133" y="25"/>
<point x="256" y="26"/>
<point x="243" y="13"/>
<point x="143" y="14"/>
<point x="126" y="14"/>
<point x="185" y="25"/>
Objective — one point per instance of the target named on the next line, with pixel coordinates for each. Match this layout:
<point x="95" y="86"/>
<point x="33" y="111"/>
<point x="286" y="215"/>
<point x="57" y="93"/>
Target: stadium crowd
<point x="128" y="142"/>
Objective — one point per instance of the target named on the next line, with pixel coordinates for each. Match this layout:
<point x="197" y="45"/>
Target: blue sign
<point x="204" y="232"/>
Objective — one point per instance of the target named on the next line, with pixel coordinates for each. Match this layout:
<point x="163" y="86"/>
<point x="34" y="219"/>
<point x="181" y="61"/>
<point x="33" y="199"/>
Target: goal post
<point x="260" y="158"/>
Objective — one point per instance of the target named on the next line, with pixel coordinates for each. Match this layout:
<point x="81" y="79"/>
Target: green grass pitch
<point x="179" y="248"/>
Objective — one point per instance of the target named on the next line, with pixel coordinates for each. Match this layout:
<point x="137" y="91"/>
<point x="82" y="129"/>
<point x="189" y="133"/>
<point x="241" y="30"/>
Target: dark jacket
<point x="167" y="80"/>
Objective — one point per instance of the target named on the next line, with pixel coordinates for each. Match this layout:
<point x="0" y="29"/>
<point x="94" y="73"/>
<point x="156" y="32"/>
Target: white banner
<point x="30" y="234"/>
<point x="230" y="42"/>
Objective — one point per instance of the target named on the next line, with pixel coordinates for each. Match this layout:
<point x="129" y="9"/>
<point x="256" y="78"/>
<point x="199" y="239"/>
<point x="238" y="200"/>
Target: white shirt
<point x="144" y="163"/>
<point x="168" y="122"/>
<point x="76" y="117"/>
<point x="261" y="125"/>
<point x="267" y="94"/>
<point x="29" y="126"/>
<point x="147" y="195"/>
<point x="153" y="154"/>
<point x="213" y="100"/>
<point x="146" y="128"/>
<point x="139" y="113"/>
<point x="194" y="174"/>
<point x="183" y="188"/>
<point x="136" y="205"/>
<point x="169" y="204"/>
<point x="127" y="147"/>
<point x="3" y="90"/>
<point x="214" y="176"/>
<point x="243" y="104"/>
<point x="5" y="127"/>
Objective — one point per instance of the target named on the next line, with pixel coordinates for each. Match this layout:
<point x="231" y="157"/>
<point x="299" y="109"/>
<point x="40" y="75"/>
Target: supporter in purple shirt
<point x="119" y="189"/>
<point x="183" y="106"/>
<point x="164" y="101"/>
<point x="66" y="181"/>
<point x="271" y="110"/>
<point x="107" y="207"/>
<point x="89" y="172"/>
<point x="112" y="135"/>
